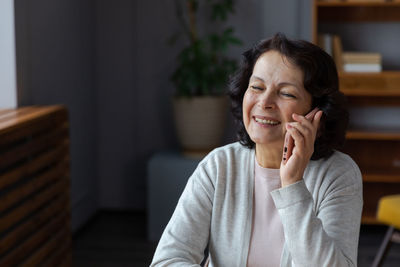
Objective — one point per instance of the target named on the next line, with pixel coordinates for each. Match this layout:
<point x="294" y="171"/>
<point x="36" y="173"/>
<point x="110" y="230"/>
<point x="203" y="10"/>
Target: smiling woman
<point x="283" y="195"/>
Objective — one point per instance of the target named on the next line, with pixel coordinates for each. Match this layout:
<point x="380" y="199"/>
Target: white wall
<point x="8" y="80"/>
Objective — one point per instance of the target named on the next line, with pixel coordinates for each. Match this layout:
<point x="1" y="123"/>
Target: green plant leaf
<point x="203" y="67"/>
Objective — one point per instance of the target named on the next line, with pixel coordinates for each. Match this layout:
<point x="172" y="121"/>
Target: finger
<point x="298" y="138"/>
<point x="311" y="125"/>
<point x="311" y="114"/>
<point x="306" y="128"/>
<point x="317" y="118"/>
<point x="302" y="120"/>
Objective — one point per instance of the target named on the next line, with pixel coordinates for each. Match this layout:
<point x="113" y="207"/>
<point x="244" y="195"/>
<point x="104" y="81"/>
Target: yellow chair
<point x="389" y="214"/>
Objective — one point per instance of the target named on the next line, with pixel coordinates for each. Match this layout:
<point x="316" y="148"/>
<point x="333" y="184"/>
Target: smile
<point x="266" y="122"/>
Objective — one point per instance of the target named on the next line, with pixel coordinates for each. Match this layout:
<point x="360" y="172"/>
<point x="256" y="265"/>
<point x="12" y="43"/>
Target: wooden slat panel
<point x="36" y="113"/>
<point x="66" y="263"/>
<point x="30" y="226"/>
<point x="61" y="256"/>
<point x="4" y="112"/>
<point x="34" y="203"/>
<point x="37" y="163"/>
<point x="12" y="114"/>
<point x="33" y="185"/>
<point x="32" y="127"/>
<point x="31" y="148"/>
<point x="21" y="252"/>
<point x="50" y="246"/>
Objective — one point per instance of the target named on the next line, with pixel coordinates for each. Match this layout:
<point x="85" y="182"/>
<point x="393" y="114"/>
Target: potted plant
<point x="201" y="76"/>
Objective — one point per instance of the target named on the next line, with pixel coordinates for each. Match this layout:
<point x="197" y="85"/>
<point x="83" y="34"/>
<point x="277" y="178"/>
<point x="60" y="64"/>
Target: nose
<point x="267" y="100"/>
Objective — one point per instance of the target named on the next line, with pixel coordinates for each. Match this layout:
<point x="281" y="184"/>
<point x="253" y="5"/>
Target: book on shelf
<point x="357" y="1"/>
<point x="325" y="42"/>
<point x="362" y="67"/>
<point x="362" y="57"/>
<point x="362" y="62"/>
<point x="338" y="52"/>
<point x="330" y="1"/>
<point x="363" y="1"/>
<point x="332" y="44"/>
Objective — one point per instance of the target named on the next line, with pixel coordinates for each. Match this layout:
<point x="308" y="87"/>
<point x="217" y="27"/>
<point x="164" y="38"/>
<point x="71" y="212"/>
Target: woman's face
<point x="274" y="93"/>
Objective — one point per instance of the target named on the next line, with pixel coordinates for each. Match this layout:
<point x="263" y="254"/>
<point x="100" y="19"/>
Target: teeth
<point x="266" y="121"/>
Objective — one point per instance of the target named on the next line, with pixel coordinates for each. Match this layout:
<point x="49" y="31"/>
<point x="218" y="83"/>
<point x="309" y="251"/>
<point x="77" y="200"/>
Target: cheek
<point x="304" y="109"/>
<point x="247" y="100"/>
<point x="290" y="108"/>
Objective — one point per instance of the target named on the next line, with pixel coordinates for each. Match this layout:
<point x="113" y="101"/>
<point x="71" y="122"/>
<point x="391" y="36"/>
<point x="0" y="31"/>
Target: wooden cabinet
<point x="376" y="150"/>
<point x="34" y="187"/>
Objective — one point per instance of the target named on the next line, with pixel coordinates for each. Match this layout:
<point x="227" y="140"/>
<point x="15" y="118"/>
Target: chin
<point x="264" y="141"/>
<point x="266" y="138"/>
<point x="268" y="142"/>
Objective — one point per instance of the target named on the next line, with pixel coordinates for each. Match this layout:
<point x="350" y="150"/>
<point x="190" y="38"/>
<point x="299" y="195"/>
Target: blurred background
<point x="110" y="62"/>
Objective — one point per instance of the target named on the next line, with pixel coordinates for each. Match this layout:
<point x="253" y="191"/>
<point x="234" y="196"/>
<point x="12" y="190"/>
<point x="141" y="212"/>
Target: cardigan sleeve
<point x="328" y="234"/>
<point x="186" y="235"/>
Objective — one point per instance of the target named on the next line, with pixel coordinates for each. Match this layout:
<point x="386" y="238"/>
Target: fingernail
<point x="288" y="126"/>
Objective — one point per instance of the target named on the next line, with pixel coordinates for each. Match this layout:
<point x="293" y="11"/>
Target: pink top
<point x="267" y="236"/>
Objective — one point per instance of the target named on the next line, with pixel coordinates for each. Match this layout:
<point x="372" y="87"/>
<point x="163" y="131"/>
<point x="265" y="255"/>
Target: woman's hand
<point x="299" y="146"/>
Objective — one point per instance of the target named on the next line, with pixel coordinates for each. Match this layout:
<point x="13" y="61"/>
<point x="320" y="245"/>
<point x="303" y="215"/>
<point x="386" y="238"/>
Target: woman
<point x="282" y="195"/>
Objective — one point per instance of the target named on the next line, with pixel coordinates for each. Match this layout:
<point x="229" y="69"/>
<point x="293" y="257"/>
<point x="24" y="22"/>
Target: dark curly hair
<point x="320" y="80"/>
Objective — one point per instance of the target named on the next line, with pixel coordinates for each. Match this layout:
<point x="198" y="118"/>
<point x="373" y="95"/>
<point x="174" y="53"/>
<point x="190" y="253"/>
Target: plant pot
<point x="200" y="123"/>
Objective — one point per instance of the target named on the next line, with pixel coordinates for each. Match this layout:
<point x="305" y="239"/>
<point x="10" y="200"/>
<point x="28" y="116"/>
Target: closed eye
<point x="288" y="95"/>
<point x="256" y="87"/>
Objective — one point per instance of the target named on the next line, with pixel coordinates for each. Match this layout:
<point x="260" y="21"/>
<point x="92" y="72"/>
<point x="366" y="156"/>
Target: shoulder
<point x="223" y="163"/>
<point x="342" y="163"/>
<point x="227" y="154"/>
<point x="339" y="168"/>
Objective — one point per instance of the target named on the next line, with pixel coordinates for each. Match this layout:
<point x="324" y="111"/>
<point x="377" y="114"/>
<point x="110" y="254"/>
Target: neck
<point x="268" y="157"/>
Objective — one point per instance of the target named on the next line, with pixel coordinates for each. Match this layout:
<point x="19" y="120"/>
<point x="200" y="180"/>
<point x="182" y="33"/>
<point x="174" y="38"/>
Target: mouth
<point x="266" y="121"/>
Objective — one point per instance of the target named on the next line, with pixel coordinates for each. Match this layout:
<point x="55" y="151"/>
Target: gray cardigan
<point x="320" y="214"/>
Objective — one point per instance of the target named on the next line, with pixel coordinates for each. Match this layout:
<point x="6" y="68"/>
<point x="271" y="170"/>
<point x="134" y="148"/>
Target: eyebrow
<point x="252" y="77"/>
<point x="292" y="84"/>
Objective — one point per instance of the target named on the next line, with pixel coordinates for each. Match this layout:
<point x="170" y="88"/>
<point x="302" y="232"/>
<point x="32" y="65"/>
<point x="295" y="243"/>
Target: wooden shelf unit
<point x="376" y="150"/>
<point x="343" y="3"/>
<point x="357" y="11"/>
<point x="341" y="11"/>
<point x="385" y="83"/>
<point x="374" y="134"/>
